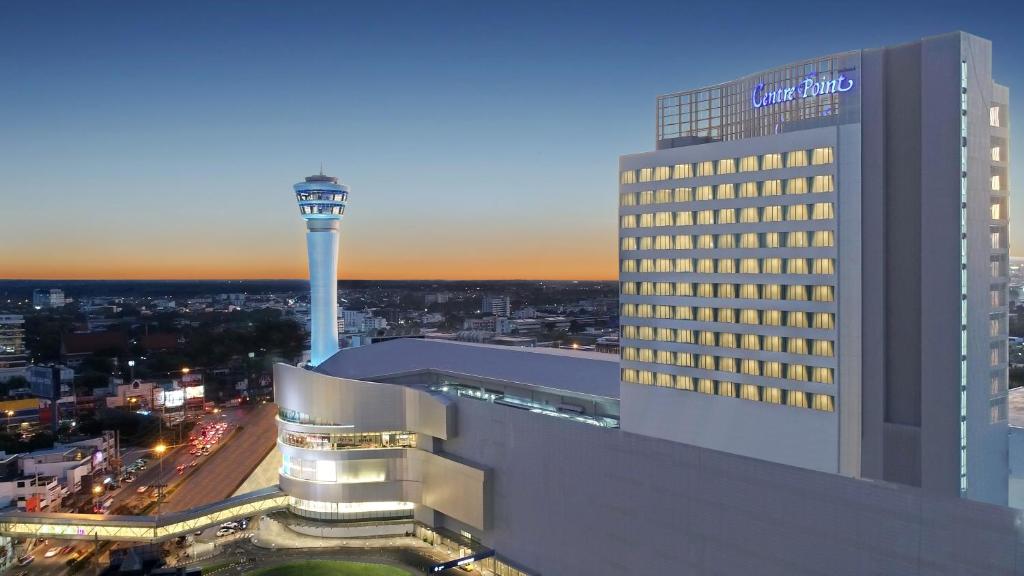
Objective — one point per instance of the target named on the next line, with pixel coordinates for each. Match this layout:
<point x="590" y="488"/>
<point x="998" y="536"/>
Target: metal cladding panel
<point x="452" y="488"/>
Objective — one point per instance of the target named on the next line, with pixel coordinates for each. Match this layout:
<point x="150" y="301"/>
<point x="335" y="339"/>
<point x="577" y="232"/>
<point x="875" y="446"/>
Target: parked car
<point x="26" y="560"/>
<point x="52" y="552"/>
<point x="142" y="489"/>
<point x="225" y="531"/>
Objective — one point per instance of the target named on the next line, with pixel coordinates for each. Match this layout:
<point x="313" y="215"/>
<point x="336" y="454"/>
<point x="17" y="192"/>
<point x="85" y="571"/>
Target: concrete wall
<point x="573" y="499"/>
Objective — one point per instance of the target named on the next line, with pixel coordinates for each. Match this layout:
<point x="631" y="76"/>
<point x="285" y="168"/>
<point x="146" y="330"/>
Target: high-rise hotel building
<point x="814" y="267"/>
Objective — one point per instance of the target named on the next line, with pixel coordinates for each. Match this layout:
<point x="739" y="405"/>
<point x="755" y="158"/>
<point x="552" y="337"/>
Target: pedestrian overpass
<point x="96" y="527"/>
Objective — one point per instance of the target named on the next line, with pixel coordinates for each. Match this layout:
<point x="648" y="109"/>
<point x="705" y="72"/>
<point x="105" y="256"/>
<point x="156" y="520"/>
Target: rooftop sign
<point x="809" y="87"/>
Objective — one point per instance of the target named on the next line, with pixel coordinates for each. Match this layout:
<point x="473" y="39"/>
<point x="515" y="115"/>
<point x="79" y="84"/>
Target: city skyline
<point x="480" y="141"/>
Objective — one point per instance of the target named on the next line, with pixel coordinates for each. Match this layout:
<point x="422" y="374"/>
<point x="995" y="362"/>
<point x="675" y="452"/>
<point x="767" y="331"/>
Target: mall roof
<point x="576" y="371"/>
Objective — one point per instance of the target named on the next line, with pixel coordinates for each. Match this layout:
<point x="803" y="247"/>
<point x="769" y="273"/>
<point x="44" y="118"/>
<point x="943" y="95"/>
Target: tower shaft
<point x="322" y="247"/>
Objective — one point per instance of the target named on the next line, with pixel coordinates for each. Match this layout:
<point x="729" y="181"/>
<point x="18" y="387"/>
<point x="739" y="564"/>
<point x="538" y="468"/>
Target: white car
<point x="225" y="531"/>
<point x="142" y="489"/>
<point x="52" y="552"/>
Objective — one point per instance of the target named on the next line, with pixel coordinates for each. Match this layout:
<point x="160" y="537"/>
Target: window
<point x="822" y="211"/>
<point x="771" y="188"/>
<point x="684" y="382"/>
<point x="796" y="398"/>
<point x="823" y="402"/>
<point x="706" y="169"/>
<point x="646" y="197"/>
<point x="823" y="239"/>
<point x="748" y="164"/>
<point x="684" y="218"/>
<point x="993" y="116"/>
<point x="682" y="171"/>
<point x="796" y="186"/>
<point x="996" y="182"/>
<point x="822" y="184"/>
<point x="683" y="194"/>
<point x="771" y="161"/>
<point x="704" y="193"/>
<point x="748" y="190"/>
<point x="796" y="158"/>
<point x="725" y="191"/>
<point x="821" y="156"/>
<point x="663" y="242"/>
<point x="996" y="154"/>
<point x="646" y="174"/>
<point x="661" y="173"/>
<point x="629" y="266"/>
<point x="628" y="177"/>
<point x="628" y="243"/>
<point x="629" y="221"/>
<point x="627" y="199"/>
<point x="772" y="395"/>
<point x="663" y="219"/>
<point x="727" y="166"/>
<point x="663" y="196"/>
<point x="796" y="212"/>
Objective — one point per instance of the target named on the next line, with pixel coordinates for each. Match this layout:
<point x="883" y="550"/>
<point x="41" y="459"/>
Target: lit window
<point x="749" y="392"/>
<point x="683" y="241"/>
<point x="821" y="156"/>
<point x="628" y="177"/>
<point x="796" y="398"/>
<point x="683" y="194"/>
<point x="822" y="184"/>
<point x="772" y="395"/>
<point x="823" y="402"/>
<point x="682" y="171"/>
<point x="706" y="168"/>
<point x="993" y="116"/>
<point x="646" y="174"/>
<point x="661" y="173"/>
<point x="771" y="161"/>
<point x="684" y="382"/>
<point x="748" y="164"/>
<point x="996" y="154"/>
<point x="796" y="186"/>
<point x="727" y="389"/>
<point x="629" y="221"/>
<point x="823" y="239"/>
<point x="663" y="196"/>
<point x="748" y="190"/>
<point x="796" y="158"/>
<point x="627" y="199"/>
<point x="725" y="191"/>
<point x="646" y="197"/>
<point x="771" y="188"/>
<point x="704" y="193"/>
<point x="726" y="166"/>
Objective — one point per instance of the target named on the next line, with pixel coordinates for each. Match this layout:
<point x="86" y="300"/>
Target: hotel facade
<point x="814" y="268"/>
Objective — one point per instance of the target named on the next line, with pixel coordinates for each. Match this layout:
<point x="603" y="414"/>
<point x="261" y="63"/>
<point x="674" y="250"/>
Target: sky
<point x="480" y="140"/>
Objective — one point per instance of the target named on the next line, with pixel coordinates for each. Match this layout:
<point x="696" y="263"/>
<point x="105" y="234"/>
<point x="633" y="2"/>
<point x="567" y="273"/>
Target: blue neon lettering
<point x="807" y="88"/>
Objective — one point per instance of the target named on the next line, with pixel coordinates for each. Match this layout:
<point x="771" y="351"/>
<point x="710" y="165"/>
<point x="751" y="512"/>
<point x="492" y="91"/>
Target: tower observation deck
<point x="322" y="204"/>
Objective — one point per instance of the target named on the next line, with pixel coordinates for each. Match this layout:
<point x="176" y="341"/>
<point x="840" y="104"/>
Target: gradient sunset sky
<point x="480" y="139"/>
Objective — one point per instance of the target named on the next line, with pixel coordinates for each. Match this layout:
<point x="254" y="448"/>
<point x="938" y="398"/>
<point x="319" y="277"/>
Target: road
<point x="226" y="468"/>
<point x="176" y="455"/>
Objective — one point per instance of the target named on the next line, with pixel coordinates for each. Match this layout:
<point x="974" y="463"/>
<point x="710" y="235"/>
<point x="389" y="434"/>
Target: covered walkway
<point x="141" y="528"/>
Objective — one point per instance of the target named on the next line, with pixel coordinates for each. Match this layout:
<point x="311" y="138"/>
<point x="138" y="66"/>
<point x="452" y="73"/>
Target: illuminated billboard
<point x="194" y="392"/>
<point x="174" y="398"/>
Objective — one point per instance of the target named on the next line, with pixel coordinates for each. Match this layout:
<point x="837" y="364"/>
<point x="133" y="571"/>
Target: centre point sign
<point x="809" y="87"/>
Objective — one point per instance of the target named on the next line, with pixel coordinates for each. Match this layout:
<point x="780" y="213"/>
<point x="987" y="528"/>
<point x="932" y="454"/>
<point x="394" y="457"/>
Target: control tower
<point x="322" y="204"/>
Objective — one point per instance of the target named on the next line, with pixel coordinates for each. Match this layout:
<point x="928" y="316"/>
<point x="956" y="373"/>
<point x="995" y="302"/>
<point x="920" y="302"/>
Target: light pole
<point x="96" y="491"/>
<point x="159" y="450"/>
<point x="9" y="414"/>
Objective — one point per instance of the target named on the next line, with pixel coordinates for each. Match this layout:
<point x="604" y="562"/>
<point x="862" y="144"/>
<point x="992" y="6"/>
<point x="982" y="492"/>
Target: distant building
<point x="12" y="346"/>
<point x="439" y="298"/>
<point x="496" y="305"/>
<point x="48" y="298"/>
<point x="496" y="324"/>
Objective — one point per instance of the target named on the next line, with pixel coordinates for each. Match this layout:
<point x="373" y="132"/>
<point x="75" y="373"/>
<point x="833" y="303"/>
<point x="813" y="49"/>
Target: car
<point x="142" y="489"/>
<point x="193" y="463"/>
<point x="26" y="560"/>
<point x="52" y="552"/>
<point x="129" y="479"/>
<point x="225" y="531"/>
<point x="66" y="549"/>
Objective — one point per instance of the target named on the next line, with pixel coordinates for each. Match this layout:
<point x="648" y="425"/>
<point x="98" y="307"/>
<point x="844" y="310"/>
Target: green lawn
<point x="328" y="568"/>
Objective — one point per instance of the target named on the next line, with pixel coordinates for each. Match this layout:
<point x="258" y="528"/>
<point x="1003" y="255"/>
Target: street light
<point x="9" y="414"/>
<point x="159" y="449"/>
<point x="96" y="491"/>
